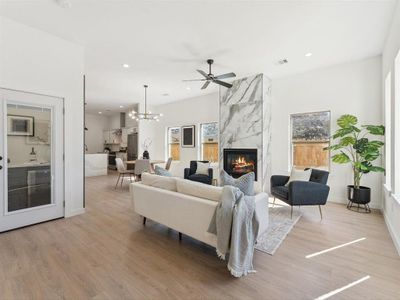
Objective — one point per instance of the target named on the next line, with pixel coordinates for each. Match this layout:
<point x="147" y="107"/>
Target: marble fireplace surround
<point x="244" y="122"/>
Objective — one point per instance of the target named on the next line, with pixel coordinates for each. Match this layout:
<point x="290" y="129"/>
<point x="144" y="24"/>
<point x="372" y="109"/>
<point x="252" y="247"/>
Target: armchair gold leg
<point x="291" y="212"/>
<point x="320" y="211"/>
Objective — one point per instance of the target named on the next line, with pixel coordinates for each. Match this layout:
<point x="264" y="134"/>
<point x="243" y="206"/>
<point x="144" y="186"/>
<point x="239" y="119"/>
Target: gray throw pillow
<point x="161" y="171"/>
<point x="244" y="183"/>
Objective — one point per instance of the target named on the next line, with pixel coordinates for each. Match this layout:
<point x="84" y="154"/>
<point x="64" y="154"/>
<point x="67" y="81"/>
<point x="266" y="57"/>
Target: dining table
<point x="152" y="162"/>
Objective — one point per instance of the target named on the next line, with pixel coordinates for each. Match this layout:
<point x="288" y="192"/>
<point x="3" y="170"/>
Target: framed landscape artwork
<point x="188" y="136"/>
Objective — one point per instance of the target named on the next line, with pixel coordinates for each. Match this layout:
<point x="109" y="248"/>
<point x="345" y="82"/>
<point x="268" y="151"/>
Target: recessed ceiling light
<point x="121" y="106"/>
<point x="64" y="3"/>
<point x="100" y="112"/>
<point x="126" y="66"/>
<point x="308" y="54"/>
<point x="165" y="94"/>
<point x="188" y="88"/>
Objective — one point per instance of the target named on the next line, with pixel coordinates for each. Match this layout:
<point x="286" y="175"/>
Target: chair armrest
<point x="308" y="193"/>
<point x="279" y="180"/>
<point x="210" y="173"/>
<point x="186" y="173"/>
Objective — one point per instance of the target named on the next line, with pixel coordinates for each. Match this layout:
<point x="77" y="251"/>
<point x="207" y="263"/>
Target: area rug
<point x="279" y="227"/>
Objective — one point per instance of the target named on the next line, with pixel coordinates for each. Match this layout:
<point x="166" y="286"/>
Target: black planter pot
<point x="146" y="154"/>
<point x="360" y="196"/>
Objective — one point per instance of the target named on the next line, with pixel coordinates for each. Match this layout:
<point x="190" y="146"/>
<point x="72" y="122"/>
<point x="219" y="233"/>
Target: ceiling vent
<point x="282" y="61"/>
<point x="64" y="3"/>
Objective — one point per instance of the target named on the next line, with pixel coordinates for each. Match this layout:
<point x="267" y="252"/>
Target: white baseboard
<point x="392" y="232"/>
<point x="75" y="212"/>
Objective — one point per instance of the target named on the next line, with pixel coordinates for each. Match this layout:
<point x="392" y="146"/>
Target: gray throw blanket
<point x="236" y="225"/>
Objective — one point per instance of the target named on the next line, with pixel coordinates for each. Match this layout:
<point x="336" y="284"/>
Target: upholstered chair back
<point x="142" y="165"/>
<point x="120" y="165"/>
<point x="319" y="176"/>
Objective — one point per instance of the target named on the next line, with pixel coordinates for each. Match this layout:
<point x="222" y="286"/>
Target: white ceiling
<point x="165" y="41"/>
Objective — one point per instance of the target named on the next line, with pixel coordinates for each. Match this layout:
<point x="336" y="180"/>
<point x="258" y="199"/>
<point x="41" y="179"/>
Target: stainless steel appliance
<point x="132" y="146"/>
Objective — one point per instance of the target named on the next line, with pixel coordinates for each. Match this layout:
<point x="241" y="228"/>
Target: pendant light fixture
<point x="146" y="115"/>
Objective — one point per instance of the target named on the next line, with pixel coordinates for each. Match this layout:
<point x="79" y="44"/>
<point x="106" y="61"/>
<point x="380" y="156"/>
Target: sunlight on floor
<point x="334" y="292"/>
<point x="334" y="248"/>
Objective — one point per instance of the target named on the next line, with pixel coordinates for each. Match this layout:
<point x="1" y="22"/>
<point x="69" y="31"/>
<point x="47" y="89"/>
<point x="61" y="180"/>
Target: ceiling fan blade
<point x="205" y="85"/>
<point x="203" y="73"/>
<point x="194" y="79"/>
<point x="227" y="75"/>
<point x="225" y="84"/>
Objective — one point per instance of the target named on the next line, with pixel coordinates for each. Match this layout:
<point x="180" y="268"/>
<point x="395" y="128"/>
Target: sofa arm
<point x="279" y="180"/>
<point x="210" y="173"/>
<point x="308" y="193"/>
<point x="186" y="173"/>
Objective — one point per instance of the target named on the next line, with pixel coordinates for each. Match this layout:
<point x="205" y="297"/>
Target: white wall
<point x="391" y="205"/>
<point x="192" y="111"/>
<point x="351" y="88"/>
<point x="35" y="61"/>
<point x="96" y="124"/>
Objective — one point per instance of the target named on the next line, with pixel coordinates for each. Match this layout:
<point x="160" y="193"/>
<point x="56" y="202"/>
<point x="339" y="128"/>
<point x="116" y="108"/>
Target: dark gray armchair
<point x="313" y="192"/>
<point x="190" y="173"/>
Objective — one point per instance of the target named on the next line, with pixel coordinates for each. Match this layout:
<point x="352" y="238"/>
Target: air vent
<point x="282" y="61"/>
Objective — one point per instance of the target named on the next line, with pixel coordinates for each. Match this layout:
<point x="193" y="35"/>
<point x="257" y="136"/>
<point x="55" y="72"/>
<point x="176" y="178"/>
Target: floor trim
<point x="392" y="232"/>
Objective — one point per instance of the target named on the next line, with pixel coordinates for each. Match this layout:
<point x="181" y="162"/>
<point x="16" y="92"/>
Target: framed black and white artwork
<point x="20" y="125"/>
<point x="188" y="136"/>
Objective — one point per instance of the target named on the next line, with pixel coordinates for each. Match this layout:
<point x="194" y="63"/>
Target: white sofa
<point x="158" y="198"/>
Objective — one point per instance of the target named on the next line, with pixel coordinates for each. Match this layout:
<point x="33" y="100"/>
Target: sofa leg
<point x="180" y="236"/>
<point x="144" y="221"/>
<point x="291" y="212"/>
<point x="320" y="211"/>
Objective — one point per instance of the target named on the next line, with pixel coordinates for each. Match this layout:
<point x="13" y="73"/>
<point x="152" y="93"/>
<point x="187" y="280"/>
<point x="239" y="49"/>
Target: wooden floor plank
<point x="108" y="254"/>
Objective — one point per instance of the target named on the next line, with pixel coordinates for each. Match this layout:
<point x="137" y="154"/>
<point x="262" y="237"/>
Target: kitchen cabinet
<point x="111" y="136"/>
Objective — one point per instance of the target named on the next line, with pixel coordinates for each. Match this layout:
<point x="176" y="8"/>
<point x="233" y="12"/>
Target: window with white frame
<point x="397" y="124"/>
<point x="388" y="135"/>
<point x="174" y="142"/>
<point x="209" y="141"/>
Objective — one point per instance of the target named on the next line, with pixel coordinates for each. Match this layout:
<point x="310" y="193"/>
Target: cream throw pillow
<point x="198" y="189"/>
<point x="299" y="175"/>
<point x="202" y="168"/>
<point x="162" y="182"/>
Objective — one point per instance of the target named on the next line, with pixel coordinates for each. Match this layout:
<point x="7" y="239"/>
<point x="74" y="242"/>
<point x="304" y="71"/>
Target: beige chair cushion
<point x="299" y="175"/>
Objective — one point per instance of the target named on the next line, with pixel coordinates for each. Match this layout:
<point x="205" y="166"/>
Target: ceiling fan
<point x="211" y="78"/>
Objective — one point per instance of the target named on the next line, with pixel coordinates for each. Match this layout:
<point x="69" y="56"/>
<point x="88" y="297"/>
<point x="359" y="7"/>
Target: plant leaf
<point x="375" y="129"/>
<point x="347" y="140"/>
<point x="343" y="132"/>
<point x="376" y="144"/>
<point x="376" y="169"/>
<point x="334" y="147"/>
<point x="340" y="158"/>
<point x="346" y="121"/>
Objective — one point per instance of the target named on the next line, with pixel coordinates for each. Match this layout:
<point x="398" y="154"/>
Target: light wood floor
<point x="108" y="254"/>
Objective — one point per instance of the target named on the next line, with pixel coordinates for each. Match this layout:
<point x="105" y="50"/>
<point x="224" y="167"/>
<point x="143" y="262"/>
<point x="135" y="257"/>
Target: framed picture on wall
<point x="188" y="136"/>
<point x="20" y="125"/>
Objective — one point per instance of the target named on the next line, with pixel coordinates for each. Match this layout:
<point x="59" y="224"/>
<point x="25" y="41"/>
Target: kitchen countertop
<point x="32" y="164"/>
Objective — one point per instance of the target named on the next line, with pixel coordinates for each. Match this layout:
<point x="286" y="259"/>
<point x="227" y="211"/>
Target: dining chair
<point x="168" y="164"/>
<point x="141" y="166"/>
<point x="122" y="171"/>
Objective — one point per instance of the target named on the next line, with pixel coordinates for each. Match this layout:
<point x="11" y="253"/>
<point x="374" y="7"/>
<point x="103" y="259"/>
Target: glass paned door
<point x="31" y="147"/>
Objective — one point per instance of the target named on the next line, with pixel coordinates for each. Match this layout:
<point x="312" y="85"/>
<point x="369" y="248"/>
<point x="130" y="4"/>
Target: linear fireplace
<point x="238" y="162"/>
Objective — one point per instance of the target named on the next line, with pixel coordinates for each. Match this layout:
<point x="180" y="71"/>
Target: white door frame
<point x="54" y="210"/>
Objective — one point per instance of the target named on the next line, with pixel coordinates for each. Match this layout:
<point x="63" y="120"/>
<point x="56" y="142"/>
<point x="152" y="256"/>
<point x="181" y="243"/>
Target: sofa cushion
<point x="281" y="191"/>
<point x="161" y="171"/>
<point x="162" y="182"/>
<point x="299" y="175"/>
<point x="245" y="183"/>
<point x="198" y="189"/>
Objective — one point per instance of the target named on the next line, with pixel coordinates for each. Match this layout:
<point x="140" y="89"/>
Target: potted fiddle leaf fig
<point x="355" y="145"/>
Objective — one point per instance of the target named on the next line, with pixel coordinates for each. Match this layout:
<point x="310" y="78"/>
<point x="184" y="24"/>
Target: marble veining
<point x="245" y="120"/>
